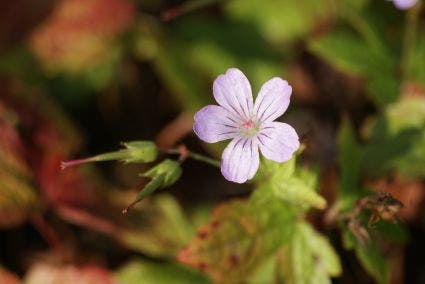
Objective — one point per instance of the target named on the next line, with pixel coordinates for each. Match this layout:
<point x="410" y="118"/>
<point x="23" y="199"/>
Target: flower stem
<point x="118" y="155"/>
<point x="185" y="153"/>
<point x="204" y="159"/>
<point x="412" y="19"/>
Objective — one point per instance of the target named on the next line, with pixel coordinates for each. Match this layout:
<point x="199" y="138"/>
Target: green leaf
<point x="265" y="273"/>
<point x="157" y="227"/>
<point x="296" y="187"/>
<point x="417" y="59"/>
<point x="362" y="57"/>
<point x="216" y="46"/>
<point x="196" y="50"/>
<point x="240" y="237"/>
<point x="281" y="21"/>
<point x="308" y="257"/>
<point x="369" y="256"/>
<point x="181" y="81"/>
<point x="350" y="161"/>
<point x="149" y="272"/>
<point x="397" y="140"/>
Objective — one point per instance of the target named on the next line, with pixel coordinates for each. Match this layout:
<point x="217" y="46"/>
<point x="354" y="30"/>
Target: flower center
<point x="249" y="128"/>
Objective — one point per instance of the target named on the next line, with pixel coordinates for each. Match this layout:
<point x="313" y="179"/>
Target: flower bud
<point x="162" y="175"/>
<point x="169" y="168"/>
<point x="134" y="152"/>
<point x="140" y="151"/>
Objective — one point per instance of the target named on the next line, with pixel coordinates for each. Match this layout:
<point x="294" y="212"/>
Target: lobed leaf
<point x="308" y="257"/>
<point x="296" y="187"/>
<point x="240" y="236"/>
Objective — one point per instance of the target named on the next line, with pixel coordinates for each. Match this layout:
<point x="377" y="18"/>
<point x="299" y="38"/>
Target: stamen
<point x="249" y="128"/>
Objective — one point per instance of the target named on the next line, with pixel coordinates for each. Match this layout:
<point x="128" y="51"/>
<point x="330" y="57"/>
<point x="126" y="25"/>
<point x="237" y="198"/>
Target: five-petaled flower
<point x="404" y="4"/>
<point x="250" y="125"/>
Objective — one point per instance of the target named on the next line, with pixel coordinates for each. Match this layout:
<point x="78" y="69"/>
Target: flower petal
<point x="278" y="141"/>
<point x="272" y="100"/>
<point x="240" y="160"/>
<point x="404" y="4"/>
<point x="214" y="123"/>
<point x="233" y="92"/>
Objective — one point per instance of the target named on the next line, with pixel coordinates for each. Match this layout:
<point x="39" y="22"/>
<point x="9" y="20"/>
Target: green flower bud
<point x="140" y="151"/>
<point x="135" y="152"/>
<point x="162" y="175"/>
<point x="169" y="168"/>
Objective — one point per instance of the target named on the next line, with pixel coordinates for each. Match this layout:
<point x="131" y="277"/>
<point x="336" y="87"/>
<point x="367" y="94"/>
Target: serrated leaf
<point x="240" y="236"/>
<point x="150" y="272"/>
<point x="296" y="187"/>
<point x="308" y="257"/>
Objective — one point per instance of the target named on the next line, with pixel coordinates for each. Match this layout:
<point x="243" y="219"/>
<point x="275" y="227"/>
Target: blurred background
<point x="77" y="77"/>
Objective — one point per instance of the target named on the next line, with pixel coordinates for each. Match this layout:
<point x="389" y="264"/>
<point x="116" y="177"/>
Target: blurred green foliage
<point x="98" y="50"/>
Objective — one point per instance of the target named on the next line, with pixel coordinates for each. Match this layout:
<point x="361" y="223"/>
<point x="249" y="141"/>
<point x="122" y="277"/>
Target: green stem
<point x="362" y="27"/>
<point x="204" y="159"/>
<point x="412" y="20"/>
<point x="195" y="156"/>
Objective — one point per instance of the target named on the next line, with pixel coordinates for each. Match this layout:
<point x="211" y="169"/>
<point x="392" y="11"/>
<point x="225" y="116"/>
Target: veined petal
<point x="272" y="100"/>
<point x="214" y="123"/>
<point x="233" y="92"/>
<point x="240" y="160"/>
<point x="278" y="141"/>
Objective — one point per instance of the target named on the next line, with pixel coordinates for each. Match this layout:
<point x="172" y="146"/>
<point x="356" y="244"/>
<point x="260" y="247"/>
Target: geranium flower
<point x="250" y="125"/>
<point x="404" y="4"/>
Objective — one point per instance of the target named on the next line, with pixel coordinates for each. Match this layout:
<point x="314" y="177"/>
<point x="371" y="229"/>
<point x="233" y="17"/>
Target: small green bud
<point x="162" y="175"/>
<point x="140" y="151"/>
<point x="169" y="168"/>
<point x="134" y="152"/>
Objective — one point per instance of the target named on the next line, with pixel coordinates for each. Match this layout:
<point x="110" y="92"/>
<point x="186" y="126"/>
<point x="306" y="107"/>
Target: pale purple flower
<point x="250" y="125"/>
<point x="404" y="4"/>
